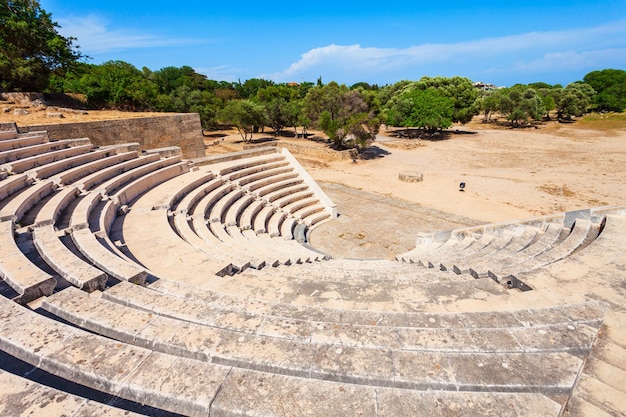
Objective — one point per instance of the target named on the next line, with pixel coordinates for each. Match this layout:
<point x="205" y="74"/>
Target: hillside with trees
<point x="34" y="57"/>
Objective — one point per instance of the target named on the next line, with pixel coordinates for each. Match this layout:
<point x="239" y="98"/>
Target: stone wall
<point x="182" y="130"/>
<point x="304" y="150"/>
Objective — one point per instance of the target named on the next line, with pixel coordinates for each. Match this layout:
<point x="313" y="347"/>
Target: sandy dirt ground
<point x="509" y="174"/>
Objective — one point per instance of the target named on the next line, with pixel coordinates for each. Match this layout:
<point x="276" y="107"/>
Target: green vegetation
<point x="34" y="57"/>
<point x="31" y="50"/>
<point x="610" y="84"/>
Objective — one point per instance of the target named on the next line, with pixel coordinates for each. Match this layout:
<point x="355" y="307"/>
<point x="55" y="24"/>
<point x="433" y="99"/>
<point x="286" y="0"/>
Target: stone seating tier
<point x="19" y="272"/>
<point x="9" y="144"/>
<point x="32" y="162"/>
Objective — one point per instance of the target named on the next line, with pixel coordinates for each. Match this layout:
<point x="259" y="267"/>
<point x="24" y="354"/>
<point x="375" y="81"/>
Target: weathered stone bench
<point x="574" y="241"/>
<point x="546" y="240"/>
<point x="218" y="210"/>
<point x="282" y="168"/>
<point x="52" y="209"/>
<point x="277" y="183"/>
<point x="281" y="198"/>
<point x="262" y="218"/>
<point x="71" y="175"/>
<point x="51" y="169"/>
<point x="214" y="249"/>
<point x="246" y="220"/>
<point x="9" y="144"/>
<point x="462" y="265"/>
<point x="105" y="260"/>
<point x="286" y="252"/>
<point x="13" y="184"/>
<point x="473" y="360"/>
<point x="18" y="271"/>
<point x="233" y="156"/>
<point x="189" y="203"/>
<point x="65" y="262"/>
<point x="265" y="181"/>
<point x="21" y="397"/>
<point x="315" y="218"/>
<point x="234" y="211"/>
<point x="230" y="168"/>
<point x="273" y="256"/>
<point x="195" y="181"/>
<point x="90" y="181"/>
<point x="167" y="169"/>
<point x="274" y="223"/>
<point x="25" y="200"/>
<point x="299" y="204"/>
<point x="287" y="228"/>
<point x="31" y="162"/>
<point x="205" y="204"/>
<point x="110" y="366"/>
<point x="237" y="249"/>
<point x="173" y="252"/>
<point x="245" y="174"/>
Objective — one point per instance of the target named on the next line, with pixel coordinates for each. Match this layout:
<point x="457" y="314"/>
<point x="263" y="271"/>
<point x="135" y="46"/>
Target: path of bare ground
<point x="374" y="226"/>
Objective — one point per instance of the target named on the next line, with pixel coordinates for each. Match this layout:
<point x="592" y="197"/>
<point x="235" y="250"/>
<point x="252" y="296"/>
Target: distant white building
<point x="485" y="86"/>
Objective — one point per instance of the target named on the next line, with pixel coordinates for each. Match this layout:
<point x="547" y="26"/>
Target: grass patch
<point x="606" y="121"/>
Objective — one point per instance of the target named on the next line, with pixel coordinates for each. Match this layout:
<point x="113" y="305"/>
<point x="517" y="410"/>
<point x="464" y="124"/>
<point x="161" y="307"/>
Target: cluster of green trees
<point x="536" y="101"/>
<point x="34" y="57"/>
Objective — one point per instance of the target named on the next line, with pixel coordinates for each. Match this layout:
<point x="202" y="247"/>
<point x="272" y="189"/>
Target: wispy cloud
<point x="95" y="36"/>
<point x="550" y="50"/>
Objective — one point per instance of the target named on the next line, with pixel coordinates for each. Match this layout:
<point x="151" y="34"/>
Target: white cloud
<point x="94" y="36"/>
<point x="582" y="47"/>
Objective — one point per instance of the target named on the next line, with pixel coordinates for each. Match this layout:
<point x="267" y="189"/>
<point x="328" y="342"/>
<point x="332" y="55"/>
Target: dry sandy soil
<point x="509" y="173"/>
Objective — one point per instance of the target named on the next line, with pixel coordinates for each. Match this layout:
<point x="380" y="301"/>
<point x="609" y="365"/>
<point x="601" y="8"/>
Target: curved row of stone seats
<point x="18" y="204"/>
<point x="598" y="273"/>
<point x="84" y="237"/>
<point x="83" y="178"/>
<point x="321" y="351"/>
<point x="444" y="258"/>
<point x="174" y="299"/>
<point x="147" y="223"/>
<point x="8" y="131"/>
<point x="22" y="159"/>
<point x="14" y="143"/>
<point x="18" y="271"/>
<point x="225" y="201"/>
<point x="470" y="250"/>
<point x="163" y="381"/>
<point x="578" y="235"/>
<point x="21" y="397"/>
<point x="64" y="259"/>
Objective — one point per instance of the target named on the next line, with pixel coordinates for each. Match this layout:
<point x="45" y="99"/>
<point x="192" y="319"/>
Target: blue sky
<point x="492" y="41"/>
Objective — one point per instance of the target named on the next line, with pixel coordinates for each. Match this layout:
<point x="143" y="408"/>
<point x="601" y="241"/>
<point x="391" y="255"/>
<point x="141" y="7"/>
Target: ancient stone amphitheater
<point x="141" y="283"/>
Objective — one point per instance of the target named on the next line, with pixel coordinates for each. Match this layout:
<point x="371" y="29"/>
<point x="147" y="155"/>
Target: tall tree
<point x="575" y="100"/>
<point x="31" y="49"/>
<point x="610" y="86"/>
<point x="427" y="109"/>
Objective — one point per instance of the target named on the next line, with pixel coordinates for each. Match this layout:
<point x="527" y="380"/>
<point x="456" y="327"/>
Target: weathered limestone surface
<point x="182" y="130"/>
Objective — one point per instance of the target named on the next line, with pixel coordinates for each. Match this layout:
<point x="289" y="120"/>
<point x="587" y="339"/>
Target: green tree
<point x="575" y="100"/>
<point x="31" y="49"/>
<point x="246" y="115"/>
<point x="520" y="103"/>
<point x="427" y="109"/>
<point x="116" y="85"/>
<point x="348" y="117"/>
<point x="460" y="90"/>
<point x="610" y="86"/>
